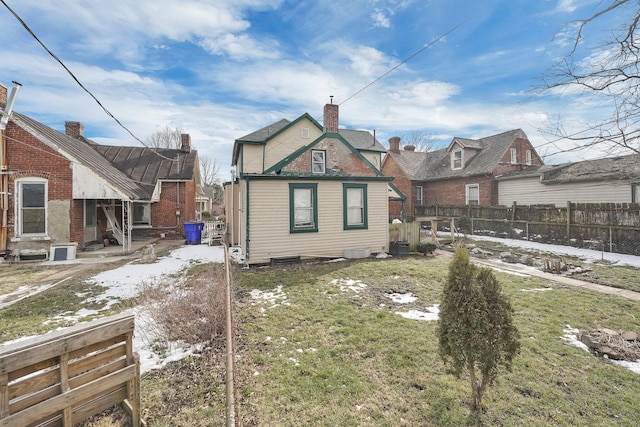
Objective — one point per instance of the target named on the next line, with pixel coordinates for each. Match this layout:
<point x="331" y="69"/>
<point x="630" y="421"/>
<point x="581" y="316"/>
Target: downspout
<point x="247" y="221"/>
<point x="4" y="167"/>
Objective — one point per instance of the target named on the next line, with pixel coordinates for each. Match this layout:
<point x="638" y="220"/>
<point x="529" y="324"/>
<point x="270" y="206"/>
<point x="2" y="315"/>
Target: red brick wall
<point x="391" y="168"/>
<point x="28" y="157"/>
<point x="336" y="155"/>
<point x="453" y="191"/>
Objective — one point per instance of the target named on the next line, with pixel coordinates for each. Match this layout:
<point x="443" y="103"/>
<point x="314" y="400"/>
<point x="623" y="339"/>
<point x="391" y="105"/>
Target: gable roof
<point x="359" y="139"/>
<point x="412" y="163"/>
<point x="490" y="150"/>
<point x="79" y="151"/>
<point x="335" y="136"/>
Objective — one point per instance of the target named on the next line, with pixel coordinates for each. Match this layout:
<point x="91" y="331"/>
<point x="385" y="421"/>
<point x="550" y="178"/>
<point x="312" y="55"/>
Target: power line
<point x="404" y="61"/>
<point x="54" y="56"/>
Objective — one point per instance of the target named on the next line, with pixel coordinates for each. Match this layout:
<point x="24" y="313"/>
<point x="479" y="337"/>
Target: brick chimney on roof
<point x="3" y="94"/>
<point x="74" y="129"/>
<point x="186" y="143"/>
<point x="394" y="144"/>
<point x="330" y="121"/>
<point x="410" y="148"/>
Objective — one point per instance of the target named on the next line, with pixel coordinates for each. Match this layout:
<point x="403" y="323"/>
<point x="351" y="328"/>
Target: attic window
<point x="514" y="156"/>
<point x="528" y="159"/>
<point x="304" y="133"/>
<point x="318" y="161"/>
<point x="456" y="159"/>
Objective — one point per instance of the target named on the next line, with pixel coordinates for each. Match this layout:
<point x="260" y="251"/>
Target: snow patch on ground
<point x="349" y="285"/>
<point x="571" y="337"/>
<point x="402" y="298"/>
<point x="432" y="314"/>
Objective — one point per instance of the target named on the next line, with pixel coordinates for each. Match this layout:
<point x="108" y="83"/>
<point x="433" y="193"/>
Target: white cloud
<point x="380" y="20"/>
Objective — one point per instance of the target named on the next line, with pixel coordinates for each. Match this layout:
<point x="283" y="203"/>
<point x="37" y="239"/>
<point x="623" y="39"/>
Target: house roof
<point x="620" y="168"/>
<point x="490" y="150"/>
<point x="359" y="139"/>
<point x="150" y="165"/>
<point x="607" y="169"/>
<point x="83" y="153"/>
<point x="413" y="163"/>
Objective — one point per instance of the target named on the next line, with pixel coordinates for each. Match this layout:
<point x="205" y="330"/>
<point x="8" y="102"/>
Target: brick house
<point x="305" y="190"/>
<point x="463" y="173"/>
<point x="66" y="190"/>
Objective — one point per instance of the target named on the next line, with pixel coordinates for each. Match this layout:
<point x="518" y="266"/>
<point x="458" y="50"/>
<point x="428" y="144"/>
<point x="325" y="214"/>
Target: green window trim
<point x="299" y="221"/>
<point x="352" y="220"/>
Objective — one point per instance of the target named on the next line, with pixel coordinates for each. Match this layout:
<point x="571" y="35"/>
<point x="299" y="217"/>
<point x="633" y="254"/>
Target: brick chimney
<point x="74" y="129"/>
<point x="186" y="142"/>
<point x="330" y="122"/>
<point x="409" y="147"/>
<point x="3" y="94"/>
<point x="394" y="144"/>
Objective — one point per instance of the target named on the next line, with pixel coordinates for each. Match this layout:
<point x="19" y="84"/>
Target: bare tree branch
<point x="166" y="138"/>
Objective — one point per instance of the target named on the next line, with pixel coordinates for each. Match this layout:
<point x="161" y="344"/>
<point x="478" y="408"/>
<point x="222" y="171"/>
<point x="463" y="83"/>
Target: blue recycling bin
<point x="193" y="230"/>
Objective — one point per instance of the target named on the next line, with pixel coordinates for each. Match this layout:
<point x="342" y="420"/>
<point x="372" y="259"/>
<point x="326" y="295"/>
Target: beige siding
<point x="374" y="158"/>
<point x="252" y="158"/>
<point x="531" y="192"/>
<point x="289" y="141"/>
<point x="269" y="234"/>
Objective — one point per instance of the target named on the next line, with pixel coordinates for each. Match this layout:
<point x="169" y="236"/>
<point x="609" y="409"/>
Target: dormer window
<point x="456" y="159"/>
<point x="318" y="161"/>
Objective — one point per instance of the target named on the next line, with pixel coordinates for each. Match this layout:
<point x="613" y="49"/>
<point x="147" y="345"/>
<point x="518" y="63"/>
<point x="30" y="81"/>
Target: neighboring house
<point x="65" y="190"/>
<point x="210" y="201"/>
<point x="608" y="180"/>
<point x="304" y="191"/>
<point x="462" y="173"/>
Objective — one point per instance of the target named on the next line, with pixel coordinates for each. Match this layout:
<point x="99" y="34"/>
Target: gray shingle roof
<point x="413" y="163"/>
<point x="83" y="153"/>
<point x="491" y="150"/>
<point x="626" y="168"/>
<point x="362" y="140"/>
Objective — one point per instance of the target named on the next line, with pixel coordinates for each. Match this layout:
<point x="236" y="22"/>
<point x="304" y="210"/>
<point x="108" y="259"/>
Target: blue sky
<point x="221" y="69"/>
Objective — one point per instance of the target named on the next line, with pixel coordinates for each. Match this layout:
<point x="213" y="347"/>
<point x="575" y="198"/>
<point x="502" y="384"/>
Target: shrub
<point x="426" y="247"/>
<point x="476" y="332"/>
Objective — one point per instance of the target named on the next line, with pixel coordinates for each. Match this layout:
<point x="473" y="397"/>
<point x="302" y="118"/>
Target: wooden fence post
<point x="568" y="220"/>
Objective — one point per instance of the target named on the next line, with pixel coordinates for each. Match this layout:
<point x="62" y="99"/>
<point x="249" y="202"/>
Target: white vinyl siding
<point x="530" y="191"/>
<point x="269" y="232"/>
<point x="288" y="142"/>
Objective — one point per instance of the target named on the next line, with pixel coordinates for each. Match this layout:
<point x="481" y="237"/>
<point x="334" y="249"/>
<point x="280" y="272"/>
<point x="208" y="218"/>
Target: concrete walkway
<point x="530" y="271"/>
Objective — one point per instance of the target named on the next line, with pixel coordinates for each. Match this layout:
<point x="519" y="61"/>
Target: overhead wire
<point x="425" y="47"/>
<point x="54" y="56"/>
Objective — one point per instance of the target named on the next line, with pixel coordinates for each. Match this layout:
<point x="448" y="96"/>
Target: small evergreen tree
<point x="476" y="332"/>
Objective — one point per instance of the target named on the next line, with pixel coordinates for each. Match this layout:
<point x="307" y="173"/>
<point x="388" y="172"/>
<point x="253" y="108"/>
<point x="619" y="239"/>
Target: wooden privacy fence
<point x="603" y="226"/>
<point x="405" y="232"/>
<point x="65" y="377"/>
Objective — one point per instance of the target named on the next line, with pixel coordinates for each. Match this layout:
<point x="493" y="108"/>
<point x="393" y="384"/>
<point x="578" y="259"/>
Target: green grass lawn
<point x="324" y="351"/>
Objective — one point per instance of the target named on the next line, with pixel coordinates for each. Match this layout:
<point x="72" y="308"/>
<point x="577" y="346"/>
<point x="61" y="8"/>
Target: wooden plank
<point x="28" y="370"/>
<point x="28" y="352"/>
<point x="89" y="363"/>
<point x="34" y="398"/>
<point x="64" y="387"/>
<point x="94" y="348"/>
<point x="58" y="403"/>
<point x="98" y="405"/>
<point x="4" y="395"/>
<point x="34" y="383"/>
<point x="92" y="375"/>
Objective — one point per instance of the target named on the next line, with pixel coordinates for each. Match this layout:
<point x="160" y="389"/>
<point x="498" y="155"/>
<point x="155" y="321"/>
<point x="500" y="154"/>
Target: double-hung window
<point x="514" y="156"/>
<point x="32" y="207"/>
<point x="317" y="161"/>
<point x="303" y="208"/>
<point x="528" y="157"/>
<point x="473" y="194"/>
<point x="456" y="159"/>
<point x="355" y="206"/>
<point x="419" y="195"/>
